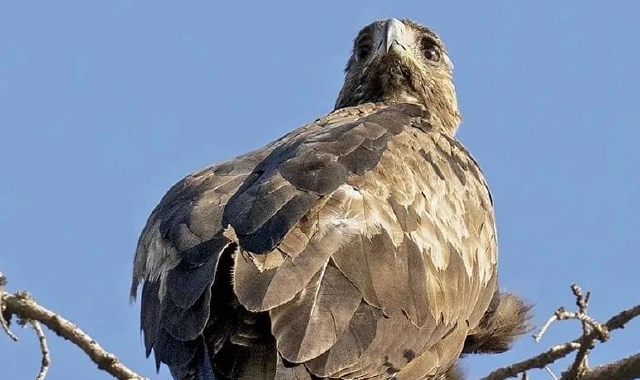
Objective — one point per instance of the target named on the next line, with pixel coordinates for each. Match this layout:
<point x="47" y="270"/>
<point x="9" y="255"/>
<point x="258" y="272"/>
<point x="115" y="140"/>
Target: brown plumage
<point x="359" y="246"/>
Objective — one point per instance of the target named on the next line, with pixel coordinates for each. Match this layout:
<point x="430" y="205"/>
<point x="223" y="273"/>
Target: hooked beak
<point x="395" y="38"/>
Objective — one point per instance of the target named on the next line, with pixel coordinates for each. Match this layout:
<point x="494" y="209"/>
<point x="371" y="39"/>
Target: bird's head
<point x="401" y="62"/>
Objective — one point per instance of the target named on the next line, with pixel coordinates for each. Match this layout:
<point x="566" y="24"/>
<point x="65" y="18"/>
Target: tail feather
<point x="199" y="369"/>
<point x="507" y="318"/>
<point x="257" y="362"/>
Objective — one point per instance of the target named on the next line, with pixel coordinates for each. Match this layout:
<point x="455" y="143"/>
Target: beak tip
<point x="394" y="22"/>
<point x="394" y="34"/>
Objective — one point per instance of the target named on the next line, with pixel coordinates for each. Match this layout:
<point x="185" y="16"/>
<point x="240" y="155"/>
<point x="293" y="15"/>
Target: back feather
<point x="360" y="246"/>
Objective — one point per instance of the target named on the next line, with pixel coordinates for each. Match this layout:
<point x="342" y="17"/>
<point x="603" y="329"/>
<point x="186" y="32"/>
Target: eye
<point x="430" y="49"/>
<point x="363" y="49"/>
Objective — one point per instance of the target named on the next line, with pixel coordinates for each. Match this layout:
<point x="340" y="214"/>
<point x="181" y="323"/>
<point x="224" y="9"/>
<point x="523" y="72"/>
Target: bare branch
<point x="580" y="364"/>
<point x="27" y="309"/>
<point x="591" y="324"/>
<point x="624" y="369"/>
<point x="557" y="352"/>
<point x="538" y="361"/>
<point x="562" y="314"/>
<point x="622" y="318"/>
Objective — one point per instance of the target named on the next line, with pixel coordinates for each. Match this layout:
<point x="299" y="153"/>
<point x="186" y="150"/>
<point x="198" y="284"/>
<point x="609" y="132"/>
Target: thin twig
<point x="44" y="348"/>
<point x="581" y="362"/>
<point x="5" y="324"/>
<point x="550" y="372"/>
<point x="563" y="315"/>
<point x="3" y="320"/>
<point x="579" y="365"/>
<point x="581" y="301"/>
<point x="538" y="337"/>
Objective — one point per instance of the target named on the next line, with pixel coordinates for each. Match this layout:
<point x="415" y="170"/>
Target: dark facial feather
<point x="422" y="74"/>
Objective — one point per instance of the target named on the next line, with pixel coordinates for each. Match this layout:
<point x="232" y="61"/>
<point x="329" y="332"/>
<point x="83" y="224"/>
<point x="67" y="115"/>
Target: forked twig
<point x="595" y="331"/>
<point x="29" y="311"/>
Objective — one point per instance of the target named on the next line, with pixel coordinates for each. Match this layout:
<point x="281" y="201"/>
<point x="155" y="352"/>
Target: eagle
<point x="361" y="245"/>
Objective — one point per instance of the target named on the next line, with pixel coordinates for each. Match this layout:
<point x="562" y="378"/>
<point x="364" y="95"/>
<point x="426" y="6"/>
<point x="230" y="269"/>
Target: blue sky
<point x="104" y="105"/>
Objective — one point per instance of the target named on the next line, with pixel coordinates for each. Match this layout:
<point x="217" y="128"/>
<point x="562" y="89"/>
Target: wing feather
<point x="314" y="320"/>
<point x="351" y="344"/>
<point x="149" y="316"/>
<point x="185" y="324"/>
<point x="262" y="291"/>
